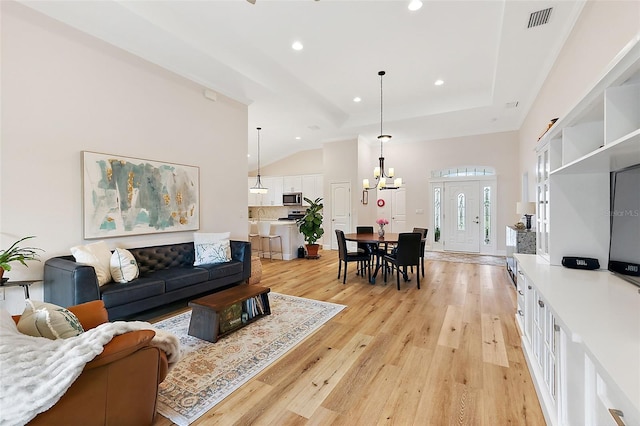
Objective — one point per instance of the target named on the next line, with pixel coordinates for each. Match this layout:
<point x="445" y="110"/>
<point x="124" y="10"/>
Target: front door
<point x="462" y="216"/>
<point x="340" y="211"/>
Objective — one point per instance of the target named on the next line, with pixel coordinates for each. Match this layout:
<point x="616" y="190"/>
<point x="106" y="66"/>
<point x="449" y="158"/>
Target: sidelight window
<point x="462" y="207"/>
<point x="486" y="208"/>
<point x="437" y="213"/>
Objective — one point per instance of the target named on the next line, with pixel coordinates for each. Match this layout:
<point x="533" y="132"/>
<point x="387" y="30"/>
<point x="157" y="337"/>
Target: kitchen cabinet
<point x="581" y="339"/>
<point x="254" y="199"/>
<point x="273" y="197"/>
<point x="292" y="183"/>
<point x="312" y="187"/>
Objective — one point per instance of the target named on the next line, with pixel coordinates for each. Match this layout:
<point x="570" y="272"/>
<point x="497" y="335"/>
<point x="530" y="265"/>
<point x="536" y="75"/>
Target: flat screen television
<point x="624" y="246"/>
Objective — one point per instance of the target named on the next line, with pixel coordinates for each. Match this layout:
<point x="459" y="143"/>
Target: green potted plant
<point x="310" y="226"/>
<point x="15" y="253"/>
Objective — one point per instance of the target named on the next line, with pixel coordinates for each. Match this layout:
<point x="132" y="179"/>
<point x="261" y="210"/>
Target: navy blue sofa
<point x="167" y="275"/>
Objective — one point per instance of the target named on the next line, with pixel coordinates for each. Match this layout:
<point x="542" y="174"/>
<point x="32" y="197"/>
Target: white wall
<point x="414" y="163"/>
<point x="602" y="30"/>
<point x="64" y="92"/>
<point x="301" y="163"/>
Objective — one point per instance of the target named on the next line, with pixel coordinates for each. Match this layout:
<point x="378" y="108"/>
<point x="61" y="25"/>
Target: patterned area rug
<point x="447" y="256"/>
<point x="209" y="372"/>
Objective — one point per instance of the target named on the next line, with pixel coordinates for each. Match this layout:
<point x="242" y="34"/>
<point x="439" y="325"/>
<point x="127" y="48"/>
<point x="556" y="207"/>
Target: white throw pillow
<point x="211" y="247"/>
<point x="124" y="267"/>
<point x="97" y="255"/>
<point x="41" y="319"/>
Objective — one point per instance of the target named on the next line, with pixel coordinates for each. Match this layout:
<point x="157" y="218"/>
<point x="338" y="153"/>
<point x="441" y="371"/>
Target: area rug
<point x="209" y="372"/>
<point x="481" y="259"/>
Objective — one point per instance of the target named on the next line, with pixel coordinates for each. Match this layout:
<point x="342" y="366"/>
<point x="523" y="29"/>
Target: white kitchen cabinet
<point x="254" y="199"/>
<point x="312" y="187"/>
<point x="292" y="184"/>
<point x="581" y="341"/>
<point x="274" y="195"/>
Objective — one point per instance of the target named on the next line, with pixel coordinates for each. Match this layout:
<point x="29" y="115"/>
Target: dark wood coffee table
<point x="224" y="312"/>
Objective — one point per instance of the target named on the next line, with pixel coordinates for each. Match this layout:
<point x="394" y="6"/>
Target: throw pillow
<point x="211" y="247"/>
<point x="41" y="319"/>
<point x="124" y="267"/>
<point x="97" y="255"/>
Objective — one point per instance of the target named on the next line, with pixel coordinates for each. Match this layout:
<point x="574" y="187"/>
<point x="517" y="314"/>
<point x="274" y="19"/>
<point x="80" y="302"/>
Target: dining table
<point x="382" y="242"/>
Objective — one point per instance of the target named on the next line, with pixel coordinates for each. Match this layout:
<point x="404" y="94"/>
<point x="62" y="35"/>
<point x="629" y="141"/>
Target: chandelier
<point x="258" y="188"/>
<point x="379" y="172"/>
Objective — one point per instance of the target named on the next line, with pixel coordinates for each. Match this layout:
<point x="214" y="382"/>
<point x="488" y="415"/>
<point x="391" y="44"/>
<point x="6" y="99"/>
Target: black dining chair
<point x="424" y="232"/>
<point x="368" y="248"/>
<point x="350" y="256"/>
<point x="407" y="254"/>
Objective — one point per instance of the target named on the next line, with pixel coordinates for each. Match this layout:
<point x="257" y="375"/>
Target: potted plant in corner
<point x="310" y="226"/>
<point x="15" y="253"/>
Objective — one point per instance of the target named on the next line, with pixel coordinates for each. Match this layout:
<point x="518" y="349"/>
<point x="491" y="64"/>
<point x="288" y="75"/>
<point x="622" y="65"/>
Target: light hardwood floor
<point x="446" y="354"/>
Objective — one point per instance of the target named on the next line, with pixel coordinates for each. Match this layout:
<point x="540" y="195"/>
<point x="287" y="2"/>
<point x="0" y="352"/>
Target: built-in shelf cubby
<point x="599" y="135"/>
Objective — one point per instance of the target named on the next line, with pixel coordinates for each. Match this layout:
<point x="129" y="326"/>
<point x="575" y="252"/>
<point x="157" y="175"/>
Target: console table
<point x="518" y="241"/>
<point x="224" y="312"/>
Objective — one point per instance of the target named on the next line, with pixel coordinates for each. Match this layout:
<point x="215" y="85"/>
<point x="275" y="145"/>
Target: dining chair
<point x="424" y="232"/>
<point x="368" y="248"/>
<point x="350" y="256"/>
<point x="407" y="254"/>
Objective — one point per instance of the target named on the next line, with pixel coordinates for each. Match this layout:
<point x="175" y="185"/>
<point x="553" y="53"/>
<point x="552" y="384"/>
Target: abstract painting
<point x="130" y="196"/>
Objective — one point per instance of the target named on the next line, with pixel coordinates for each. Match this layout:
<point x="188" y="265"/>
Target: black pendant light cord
<point x="381" y="73"/>
<point x="259" y="128"/>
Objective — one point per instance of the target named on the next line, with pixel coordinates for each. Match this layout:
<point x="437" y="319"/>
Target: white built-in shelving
<point x="581" y="329"/>
<point x="599" y="135"/>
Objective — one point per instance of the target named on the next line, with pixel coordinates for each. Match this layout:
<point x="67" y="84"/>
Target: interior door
<point x="398" y="210"/>
<point x="462" y="216"/>
<point x="340" y="210"/>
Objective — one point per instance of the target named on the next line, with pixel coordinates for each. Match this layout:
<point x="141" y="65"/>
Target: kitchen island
<point x="292" y="239"/>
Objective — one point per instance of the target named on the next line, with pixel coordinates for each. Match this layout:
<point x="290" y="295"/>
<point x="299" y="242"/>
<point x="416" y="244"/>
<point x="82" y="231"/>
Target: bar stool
<point x="253" y="234"/>
<point x="264" y="230"/>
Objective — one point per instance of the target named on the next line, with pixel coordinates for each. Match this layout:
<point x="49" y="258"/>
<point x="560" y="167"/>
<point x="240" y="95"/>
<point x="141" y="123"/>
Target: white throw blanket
<point x="35" y="372"/>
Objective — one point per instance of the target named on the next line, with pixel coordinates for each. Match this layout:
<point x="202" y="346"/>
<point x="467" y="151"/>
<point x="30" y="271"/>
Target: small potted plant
<point x="310" y="226"/>
<point x="15" y="253"/>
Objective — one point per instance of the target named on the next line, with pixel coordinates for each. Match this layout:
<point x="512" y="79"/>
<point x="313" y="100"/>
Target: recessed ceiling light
<point x="438" y="82"/>
<point x="415" y="5"/>
<point x="357" y="99"/>
<point x="297" y="45"/>
<point x="298" y="138"/>
<point x="248" y="155"/>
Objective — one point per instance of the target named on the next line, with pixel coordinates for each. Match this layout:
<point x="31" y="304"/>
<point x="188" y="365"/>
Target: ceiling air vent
<point x="540" y="17"/>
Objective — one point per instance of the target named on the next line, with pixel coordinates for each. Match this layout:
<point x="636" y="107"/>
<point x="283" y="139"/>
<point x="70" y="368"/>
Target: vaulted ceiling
<point x="491" y="63"/>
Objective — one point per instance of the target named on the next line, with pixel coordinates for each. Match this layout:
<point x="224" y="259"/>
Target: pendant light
<point x="258" y="188"/>
<point x="379" y="173"/>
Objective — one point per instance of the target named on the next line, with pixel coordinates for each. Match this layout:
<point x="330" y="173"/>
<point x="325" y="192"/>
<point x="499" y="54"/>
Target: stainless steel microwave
<point x="292" y="199"/>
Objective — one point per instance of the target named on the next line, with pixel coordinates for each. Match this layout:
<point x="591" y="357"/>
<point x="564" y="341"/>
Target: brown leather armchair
<point x="118" y="387"/>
